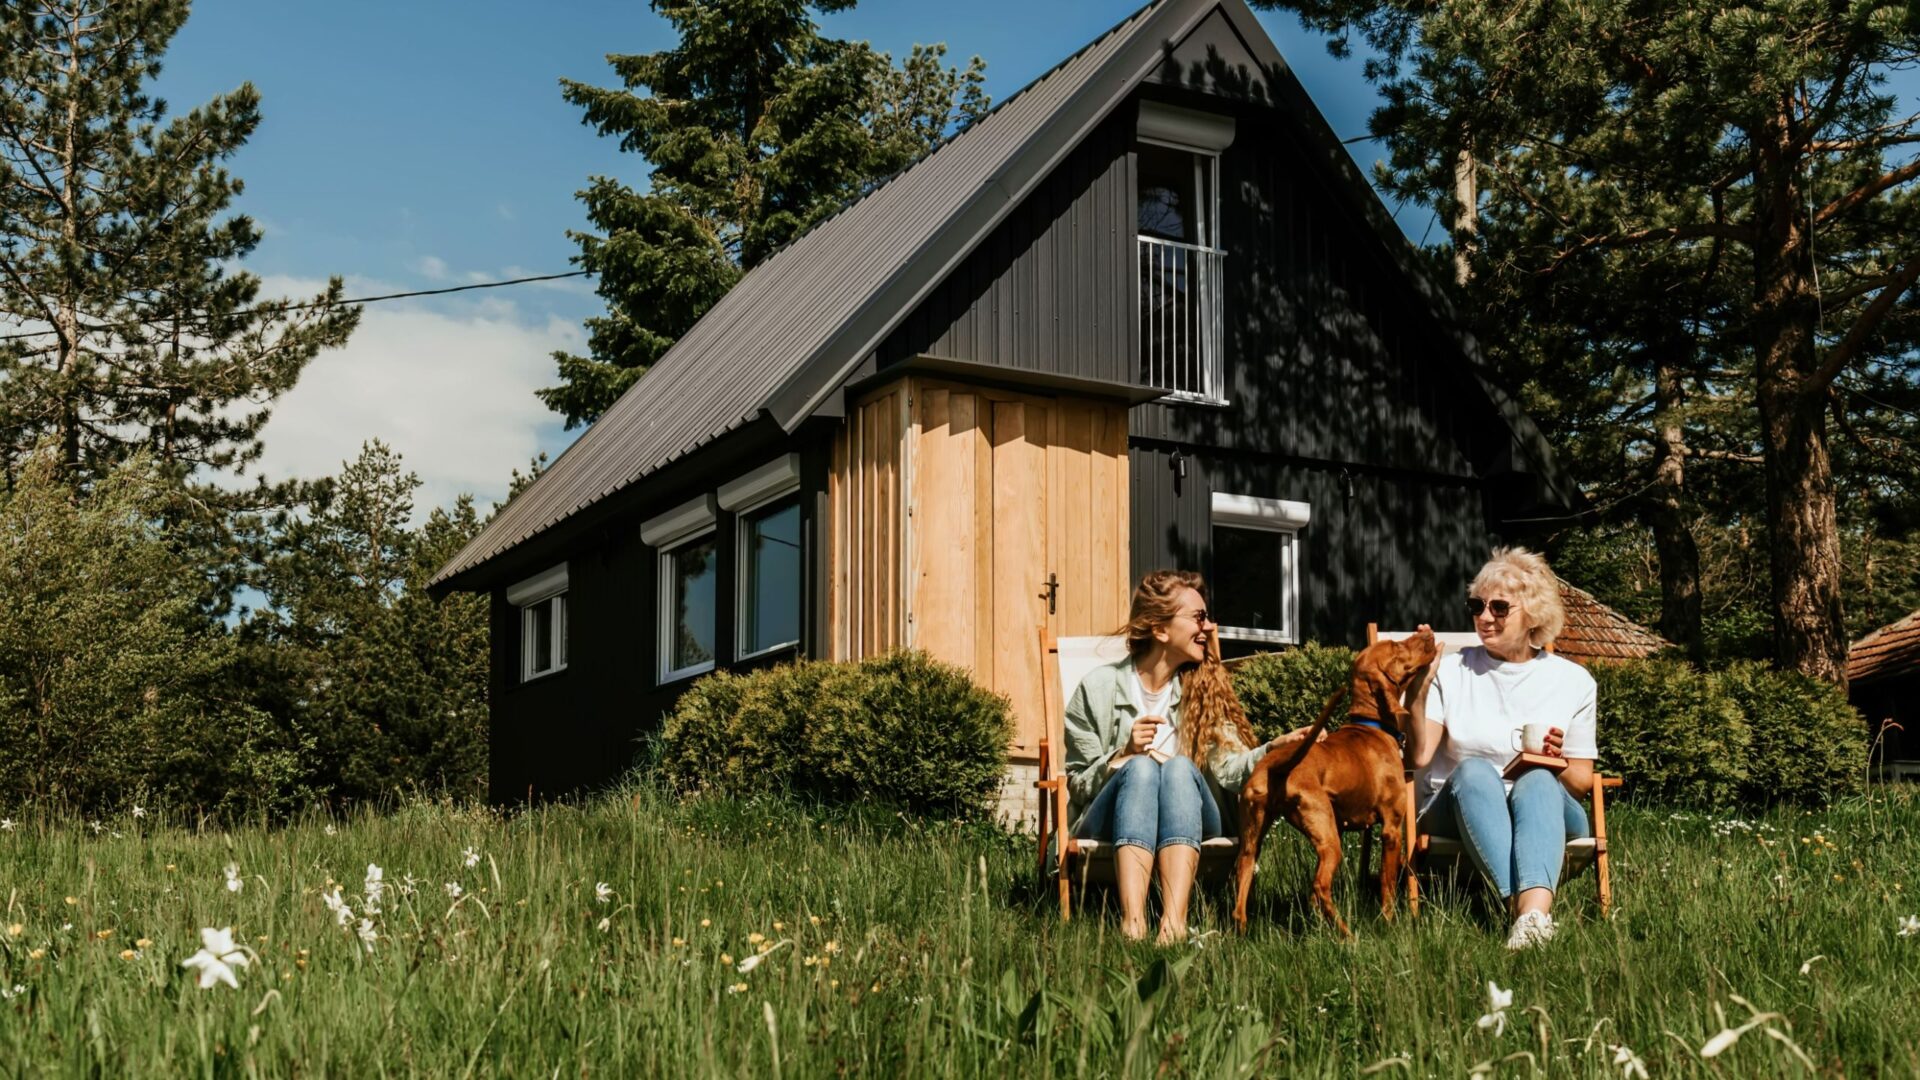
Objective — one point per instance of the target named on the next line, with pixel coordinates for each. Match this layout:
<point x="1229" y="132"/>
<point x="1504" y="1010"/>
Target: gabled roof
<point x="1597" y="632"/>
<point x="789" y="333"/>
<point x="1889" y="652"/>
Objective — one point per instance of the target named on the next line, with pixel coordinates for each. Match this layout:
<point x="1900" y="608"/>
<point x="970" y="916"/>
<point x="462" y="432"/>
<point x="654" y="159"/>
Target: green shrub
<point x="1808" y="745"/>
<point x="1284" y="690"/>
<point x="902" y="729"/>
<point x="1674" y="734"/>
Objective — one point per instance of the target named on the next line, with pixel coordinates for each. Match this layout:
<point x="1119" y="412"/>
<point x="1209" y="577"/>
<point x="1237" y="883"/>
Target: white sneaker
<point x="1530" y="929"/>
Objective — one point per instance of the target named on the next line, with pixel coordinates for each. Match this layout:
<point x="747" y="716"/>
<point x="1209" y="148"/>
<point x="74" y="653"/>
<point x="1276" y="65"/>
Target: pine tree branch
<point x="1697" y="231"/>
<point x="1885" y="181"/>
<point x="1723" y="455"/>
<point x="1863" y="327"/>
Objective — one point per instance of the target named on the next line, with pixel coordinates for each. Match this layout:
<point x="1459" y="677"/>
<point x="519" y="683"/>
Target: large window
<point x="1256" y="567"/>
<point x="1182" y="262"/>
<point x="769" y="544"/>
<point x="542" y="602"/>
<point x="688" y="586"/>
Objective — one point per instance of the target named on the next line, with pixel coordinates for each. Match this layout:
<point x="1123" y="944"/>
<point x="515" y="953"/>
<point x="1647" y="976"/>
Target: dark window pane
<point x="1169" y="207"/>
<point x="559" y="636"/>
<point x="1247" y="581"/>
<point x="772" y="615"/>
<point x="539" y="643"/>
<point x="692" y="586"/>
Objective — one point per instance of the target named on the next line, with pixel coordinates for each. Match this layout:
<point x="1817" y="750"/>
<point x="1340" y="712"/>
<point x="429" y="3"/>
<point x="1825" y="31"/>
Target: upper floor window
<point x="1257" y="541"/>
<point x="1177" y="178"/>
<point x="542" y="600"/>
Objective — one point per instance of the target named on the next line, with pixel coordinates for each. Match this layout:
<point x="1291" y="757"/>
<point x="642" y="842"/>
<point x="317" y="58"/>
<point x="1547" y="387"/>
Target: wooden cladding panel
<point x="864" y="605"/>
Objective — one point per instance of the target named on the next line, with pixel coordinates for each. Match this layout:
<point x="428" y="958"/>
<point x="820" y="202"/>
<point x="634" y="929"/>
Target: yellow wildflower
<point x="756" y="938"/>
<point x="36" y="954"/>
<point x="72" y="900"/>
<point x="103" y="934"/>
<point x="16" y="929"/>
<point x="678" y="942"/>
<point x="726" y="958"/>
<point x="143" y="943"/>
<point x="706" y="922"/>
<point x="127" y="954"/>
<point x="778" y="926"/>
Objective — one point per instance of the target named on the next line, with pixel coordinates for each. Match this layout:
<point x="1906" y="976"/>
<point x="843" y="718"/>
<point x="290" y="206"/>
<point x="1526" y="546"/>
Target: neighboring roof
<point x="789" y="332"/>
<point x="1597" y="632"/>
<point x="1890" y="651"/>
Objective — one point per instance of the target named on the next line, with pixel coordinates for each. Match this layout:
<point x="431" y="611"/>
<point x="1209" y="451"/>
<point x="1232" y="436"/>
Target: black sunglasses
<point x="1201" y="616"/>
<point x="1500" y="608"/>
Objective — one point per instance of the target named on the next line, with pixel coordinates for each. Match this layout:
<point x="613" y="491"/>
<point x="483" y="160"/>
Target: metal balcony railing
<point x="1180" y="318"/>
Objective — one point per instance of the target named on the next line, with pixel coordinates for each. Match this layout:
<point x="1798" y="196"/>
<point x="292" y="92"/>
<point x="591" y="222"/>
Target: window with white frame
<point x="1256" y="567"/>
<point x="689" y="561"/>
<point x="766" y="508"/>
<point x="542" y="602"/>
<point x="1182" y="262"/>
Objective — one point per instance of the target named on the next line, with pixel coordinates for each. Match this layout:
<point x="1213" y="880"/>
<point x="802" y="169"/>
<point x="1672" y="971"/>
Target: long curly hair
<point x="1208" y="705"/>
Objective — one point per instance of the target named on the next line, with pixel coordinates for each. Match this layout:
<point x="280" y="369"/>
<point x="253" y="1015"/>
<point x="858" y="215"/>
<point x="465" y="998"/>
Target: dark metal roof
<point x="790" y="332"/>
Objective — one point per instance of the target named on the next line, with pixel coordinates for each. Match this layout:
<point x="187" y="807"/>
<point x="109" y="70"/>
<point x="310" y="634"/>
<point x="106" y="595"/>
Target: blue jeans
<point x="1150" y="805"/>
<point x="1518" y="838"/>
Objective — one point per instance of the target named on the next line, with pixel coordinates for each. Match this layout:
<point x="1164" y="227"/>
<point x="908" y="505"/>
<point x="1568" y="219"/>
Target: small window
<point x="687" y="583"/>
<point x="770" y="577"/>
<point x="1256" y="567"/>
<point x="542" y="600"/>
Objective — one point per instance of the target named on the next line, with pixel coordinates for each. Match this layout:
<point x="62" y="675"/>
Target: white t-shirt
<point x="1483" y="702"/>
<point x="1154" y="704"/>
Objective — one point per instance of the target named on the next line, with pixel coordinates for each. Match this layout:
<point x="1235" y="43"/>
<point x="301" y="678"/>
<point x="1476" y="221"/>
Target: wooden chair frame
<point x="1421" y="846"/>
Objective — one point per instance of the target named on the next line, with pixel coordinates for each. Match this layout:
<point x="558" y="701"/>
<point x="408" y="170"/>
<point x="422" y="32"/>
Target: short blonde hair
<point x="1526" y="576"/>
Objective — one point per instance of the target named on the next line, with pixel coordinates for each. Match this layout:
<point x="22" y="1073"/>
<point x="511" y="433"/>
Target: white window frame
<point x="770" y="483"/>
<point x="1203" y="135"/>
<point x="670" y="532"/>
<point x="548" y="586"/>
<point x="1285" y="517"/>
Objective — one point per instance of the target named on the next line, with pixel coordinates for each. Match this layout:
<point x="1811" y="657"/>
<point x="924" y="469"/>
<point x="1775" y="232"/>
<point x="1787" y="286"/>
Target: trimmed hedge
<point x="902" y="729"/>
<point x="1747" y="734"/>
<point x="1285" y="690"/>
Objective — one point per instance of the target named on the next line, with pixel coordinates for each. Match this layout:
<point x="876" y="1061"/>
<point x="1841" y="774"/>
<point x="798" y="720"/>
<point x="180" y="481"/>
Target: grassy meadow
<point x="890" y="947"/>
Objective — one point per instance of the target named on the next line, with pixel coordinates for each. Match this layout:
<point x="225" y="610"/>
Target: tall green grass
<point x="906" y="949"/>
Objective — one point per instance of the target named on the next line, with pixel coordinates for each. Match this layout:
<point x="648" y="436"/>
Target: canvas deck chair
<point x="1428" y="852"/>
<point x="1078" y="863"/>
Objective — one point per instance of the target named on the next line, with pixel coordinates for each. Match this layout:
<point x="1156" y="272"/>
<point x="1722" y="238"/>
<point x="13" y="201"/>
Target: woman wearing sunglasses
<point x="1134" y="731"/>
<point x="1466" y="723"/>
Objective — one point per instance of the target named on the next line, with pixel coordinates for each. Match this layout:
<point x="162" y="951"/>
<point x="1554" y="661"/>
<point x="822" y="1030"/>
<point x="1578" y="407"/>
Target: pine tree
<point x="756" y="127"/>
<point x="128" y="326"/>
<point x="1756" y="140"/>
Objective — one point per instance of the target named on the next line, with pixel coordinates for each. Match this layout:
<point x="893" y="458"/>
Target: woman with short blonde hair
<point x="1468" y="720"/>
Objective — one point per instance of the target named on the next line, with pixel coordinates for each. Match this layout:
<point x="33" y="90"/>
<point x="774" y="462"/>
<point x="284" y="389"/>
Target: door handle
<point x="1052" y="592"/>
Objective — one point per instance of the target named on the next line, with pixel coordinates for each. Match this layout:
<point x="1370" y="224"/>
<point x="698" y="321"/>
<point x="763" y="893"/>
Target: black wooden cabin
<point x="1146" y="313"/>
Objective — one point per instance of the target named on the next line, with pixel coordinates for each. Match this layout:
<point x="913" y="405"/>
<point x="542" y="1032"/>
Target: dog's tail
<point x="1313" y="734"/>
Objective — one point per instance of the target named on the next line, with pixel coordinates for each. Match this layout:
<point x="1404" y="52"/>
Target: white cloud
<point x="449" y="387"/>
<point x="431" y="266"/>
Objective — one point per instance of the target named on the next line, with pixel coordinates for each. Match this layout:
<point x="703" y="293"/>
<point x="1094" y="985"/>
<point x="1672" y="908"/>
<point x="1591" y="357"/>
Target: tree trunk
<point x="1809" y="632"/>
<point x="1672" y="538"/>
<point x="1466" y="212"/>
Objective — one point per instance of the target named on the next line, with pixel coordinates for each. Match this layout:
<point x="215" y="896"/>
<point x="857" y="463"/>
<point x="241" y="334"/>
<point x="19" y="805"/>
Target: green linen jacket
<point x="1099" y="717"/>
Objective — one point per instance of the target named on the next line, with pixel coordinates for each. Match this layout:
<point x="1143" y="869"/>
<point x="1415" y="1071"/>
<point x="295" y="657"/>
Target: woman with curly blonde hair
<point x="1476" y="702"/>
<point x="1134" y="733"/>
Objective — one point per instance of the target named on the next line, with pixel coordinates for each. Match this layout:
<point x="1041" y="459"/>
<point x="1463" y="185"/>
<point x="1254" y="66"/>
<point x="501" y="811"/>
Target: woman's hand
<point x="1144" y="729"/>
<point x="1551" y="747"/>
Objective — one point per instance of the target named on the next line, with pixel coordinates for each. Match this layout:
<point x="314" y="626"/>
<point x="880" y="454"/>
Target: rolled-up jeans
<point x="1151" y="805"/>
<point x="1517" y="838"/>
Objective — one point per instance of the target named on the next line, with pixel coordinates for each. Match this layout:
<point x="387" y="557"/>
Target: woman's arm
<point x="1087" y="751"/>
<point x="1577" y="777"/>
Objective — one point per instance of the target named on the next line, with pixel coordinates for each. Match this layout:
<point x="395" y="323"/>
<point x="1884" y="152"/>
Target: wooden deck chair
<point x="1428" y="851"/>
<point x="1065" y="662"/>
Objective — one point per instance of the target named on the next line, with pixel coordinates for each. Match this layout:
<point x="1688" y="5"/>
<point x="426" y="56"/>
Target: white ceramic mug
<point x="1532" y="738"/>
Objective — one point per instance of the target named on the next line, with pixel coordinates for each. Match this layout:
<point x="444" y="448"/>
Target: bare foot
<point x="1171" y="934"/>
<point x="1133" y="929"/>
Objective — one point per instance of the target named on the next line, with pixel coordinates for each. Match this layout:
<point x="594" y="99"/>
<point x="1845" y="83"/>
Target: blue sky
<point x="419" y="144"/>
<point x="415" y="144"/>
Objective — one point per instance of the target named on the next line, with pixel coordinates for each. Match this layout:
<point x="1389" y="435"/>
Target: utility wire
<point x="320" y="303"/>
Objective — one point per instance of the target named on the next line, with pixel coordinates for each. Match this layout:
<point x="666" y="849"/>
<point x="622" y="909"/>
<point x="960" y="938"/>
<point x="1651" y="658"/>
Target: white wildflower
<point x="342" y="914"/>
<point x="1498" y="1001"/>
<point x="8" y="824"/>
<point x="470" y="857"/>
<point x="376" y="887"/>
<point x="604" y="924"/>
<point x="753" y="961"/>
<point x="330" y="830"/>
<point x="96" y="827"/>
<point x="1630" y="1064"/>
<point x="139" y="811"/>
<point x="1806" y="966"/>
<point x="234" y="884"/>
<point x="217" y="958"/>
<point x="454" y="890"/>
<point x="408" y="884"/>
<point x="366" y="933"/>
<point x="1719" y="1043"/>
<point x="603" y="892"/>
<point x="1909" y="925"/>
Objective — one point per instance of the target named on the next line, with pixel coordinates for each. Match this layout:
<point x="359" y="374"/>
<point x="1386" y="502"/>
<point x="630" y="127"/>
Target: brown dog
<point x="1352" y="778"/>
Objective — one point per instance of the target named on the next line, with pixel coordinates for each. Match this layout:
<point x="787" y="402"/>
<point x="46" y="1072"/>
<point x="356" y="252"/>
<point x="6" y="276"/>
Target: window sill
<point x="1248" y="633"/>
<point x="540" y="676"/>
<point x="1187" y="397"/>
<point x="785" y="646"/>
<point x="668" y="678"/>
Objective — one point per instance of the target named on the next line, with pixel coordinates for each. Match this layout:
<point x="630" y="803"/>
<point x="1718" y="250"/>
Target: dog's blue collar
<point x="1376" y="725"/>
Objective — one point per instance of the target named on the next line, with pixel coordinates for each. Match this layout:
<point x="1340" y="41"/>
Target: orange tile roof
<point x="1892" y="650"/>
<point x="1597" y="632"/>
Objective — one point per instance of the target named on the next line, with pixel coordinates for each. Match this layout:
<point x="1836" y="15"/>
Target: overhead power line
<point x="320" y="303"/>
